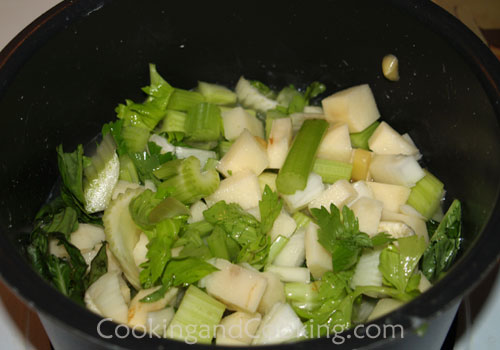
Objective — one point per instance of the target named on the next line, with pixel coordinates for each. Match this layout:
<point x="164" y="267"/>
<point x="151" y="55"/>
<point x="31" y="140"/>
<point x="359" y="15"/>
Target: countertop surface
<point x="479" y="314"/>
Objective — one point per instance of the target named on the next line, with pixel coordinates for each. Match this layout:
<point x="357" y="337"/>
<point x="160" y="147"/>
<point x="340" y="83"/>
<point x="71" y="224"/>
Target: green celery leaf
<point x="71" y="170"/>
<point x="397" y="265"/>
<point x="270" y="207"/>
<point x="382" y="238"/>
<point x="159" y="90"/>
<point x="98" y="267"/>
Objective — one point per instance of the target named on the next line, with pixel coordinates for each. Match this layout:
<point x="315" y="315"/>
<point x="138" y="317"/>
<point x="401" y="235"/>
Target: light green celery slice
<point x="301" y="219"/>
<point x="276" y="247"/>
<point x="302" y="292"/>
<point x="210" y="164"/>
<point x="332" y="170"/>
<point x="360" y="139"/>
<point x="426" y="195"/>
<point x="203" y="122"/>
<point x="300" y="159"/>
<point x="128" y="172"/>
<point x="183" y="100"/>
<point x="196" y="318"/>
<point x="136" y="138"/>
<point x="122" y="234"/>
<point x="217" y="94"/>
<point x="224" y="146"/>
<point x="174" y="121"/>
<point x="271" y="115"/>
<point x="190" y="183"/>
<point x="100" y="176"/>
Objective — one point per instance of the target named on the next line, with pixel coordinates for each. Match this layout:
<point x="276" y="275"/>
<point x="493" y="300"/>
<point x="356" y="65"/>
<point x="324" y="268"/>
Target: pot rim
<point x="35" y="291"/>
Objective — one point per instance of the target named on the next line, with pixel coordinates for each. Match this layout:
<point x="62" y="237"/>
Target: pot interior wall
<point x="67" y="89"/>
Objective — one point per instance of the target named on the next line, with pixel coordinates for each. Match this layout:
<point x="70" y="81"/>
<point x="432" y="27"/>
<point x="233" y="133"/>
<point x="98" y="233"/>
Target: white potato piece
<point x="138" y="311"/>
<point x="339" y="193"/>
<point x="368" y="211"/>
<point x="424" y="283"/>
<point x="294" y="252"/>
<point x="284" y="225"/>
<point x="354" y="106"/>
<point x="318" y="259"/>
<point x="105" y="295"/>
<point x="275" y="292"/>
<point x="241" y="188"/>
<point x="396" y="229"/>
<point x="383" y="307"/>
<point x="396" y="169"/>
<point x="87" y="236"/>
<point x="197" y="209"/>
<point x="291" y="274"/>
<point x="336" y="144"/>
<point x="237" y="119"/>
<point x="362" y="190"/>
<point x="418" y="225"/>
<point x="238" y="288"/>
<point x="393" y="196"/>
<point x="246" y="153"/>
<point x="239" y="326"/>
<point x="386" y="140"/>
<point x="366" y="272"/>
<point x="279" y="142"/>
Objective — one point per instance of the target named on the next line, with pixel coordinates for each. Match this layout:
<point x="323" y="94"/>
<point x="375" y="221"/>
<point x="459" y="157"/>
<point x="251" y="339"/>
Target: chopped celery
<point x="301" y="219"/>
<point x="217" y="244"/>
<point x="254" y="95"/>
<point x="211" y="163"/>
<point x="217" y="94"/>
<point x="224" y="146"/>
<point x="101" y="176"/>
<point x="426" y="195"/>
<point x="197" y="317"/>
<point x="136" y="138"/>
<point x="302" y="292"/>
<point x="167" y="208"/>
<point x="174" y="121"/>
<point x="332" y="170"/>
<point x="276" y="247"/>
<point x="201" y="154"/>
<point x="168" y="169"/>
<point x="300" y="160"/>
<point x="360" y="139"/>
<point x="188" y="183"/>
<point x="183" y="100"/>
<point x="203" y="122"/>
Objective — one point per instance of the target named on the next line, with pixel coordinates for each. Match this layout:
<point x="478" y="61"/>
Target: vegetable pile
<point x="205" y="210"/>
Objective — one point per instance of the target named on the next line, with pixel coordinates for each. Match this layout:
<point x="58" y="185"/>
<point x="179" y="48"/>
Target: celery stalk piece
<point x="183" y="100"/>
<point x="101" y="176"/>
<point x="168" y="169"/>
<point x="136" y="138"/>
<point x="201" y="154"/>
<point x="197" y="317"/>
<point x="210" y="164"/>
<point x="188" y="183"/>
<point x="300" y="160"/>
<point x="360" y="139"/>
<point x="128" y="172"/>
<point x="301" y="219"/>
<point x="332" y="170"/>
<point x="168" y="208"/>
<point x="217" y="94"/>
<point x="203" y="122"/>
<point x="426" y="195"/>
<point x="174" y="121"/>
<point x="276" y="247"/>
<point x="271" y="115"/>
<point x="302" y="292"/>
<point x="224" y="146"/>
<point x="250" y="96"/>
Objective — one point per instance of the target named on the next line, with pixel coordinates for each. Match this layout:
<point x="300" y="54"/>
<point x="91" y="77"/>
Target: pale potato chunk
<point x="284" y="225"/>
<point x="275" y="292"/>
<point x="138" y="311"/>
<point x="339" y="193"/>
<point x="237" y="287"/>
<point x="246" y="153"/>
<point x="242" y="188"/>
<point x="368" y="211"/>
<point x="354" y="106"/>
<point x="396" y="170"/>
<point x="386" y="140"/>
<point x="239" y="326"/>
<point x="393" y="196"/>
<point x="418" y="225"/>
<point x="318" y="259"/>
<point x="237" y="119"/>
<point x="336" y="144"/>
<point x="279" y="142"/>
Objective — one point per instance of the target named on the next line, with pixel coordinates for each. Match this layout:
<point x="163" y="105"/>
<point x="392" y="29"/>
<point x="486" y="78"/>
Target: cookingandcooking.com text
<point x="190" y="333"/>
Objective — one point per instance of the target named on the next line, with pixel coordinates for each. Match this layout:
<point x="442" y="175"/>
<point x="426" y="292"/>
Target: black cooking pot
<point x="61" y="78"/>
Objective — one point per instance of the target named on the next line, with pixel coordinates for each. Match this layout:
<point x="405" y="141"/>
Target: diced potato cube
<point x="361" y="160"/>
<point x="362" y="190"/>
<point x="284" y="225"/>
<point x="368" y="211"/>
<point x="197" y="210"/>
<point x="246" y="153"/>
<point x="396" y="169"/>
<point x="239" y="326"/>
<point x="354" y="106"/>
<point x="268" y="179"/>
<point x="418" y="225"/>
<point x="291" y="274"/>
<point x="279" y="142"/>
<point x="386" y="140"/>
<point x="237" y="119"/>
<point x="87" y="236"/>
<point x="336" y="144"/>
<point x="138" y="311"/>
<point x="293" y="253"/>
<point x="393" y="196"/>
<point x="275" y="292"/>
<point x="396" y="229"/>
<point x="339" y="193"/>
<point x="235" y="286"/>
<point x="242" y="188"/>
<point x="318" y="259"/>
